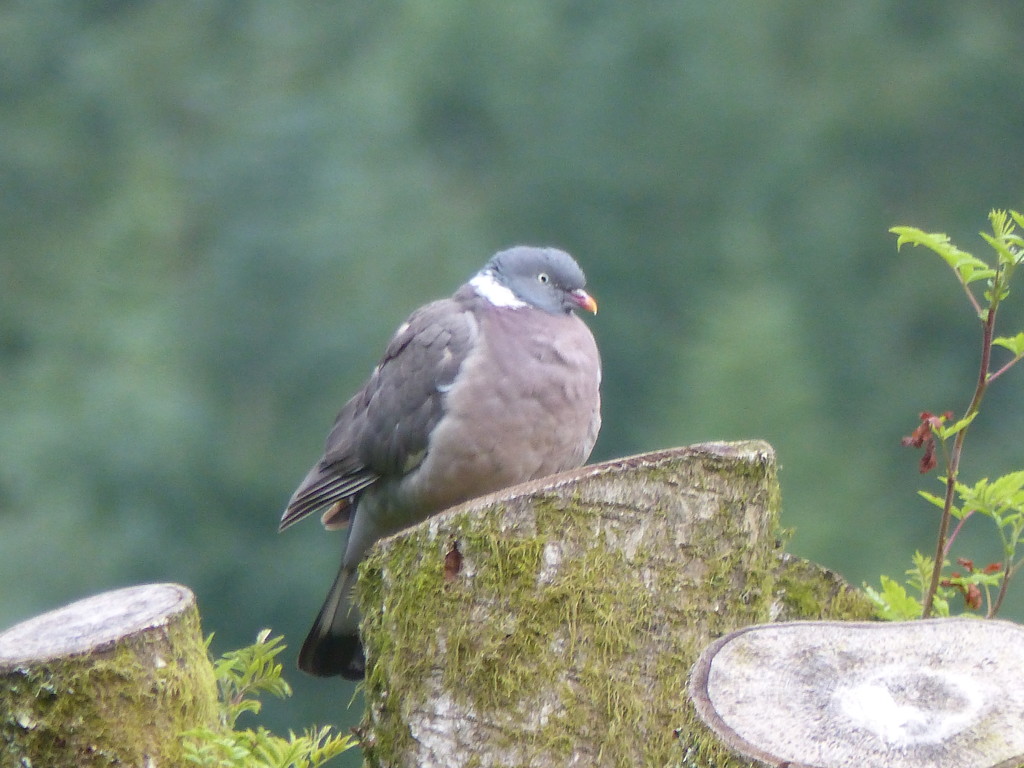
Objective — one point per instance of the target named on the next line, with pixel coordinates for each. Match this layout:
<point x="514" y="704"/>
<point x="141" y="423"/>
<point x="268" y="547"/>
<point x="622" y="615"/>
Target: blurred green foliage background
<point x="214" y="214"/>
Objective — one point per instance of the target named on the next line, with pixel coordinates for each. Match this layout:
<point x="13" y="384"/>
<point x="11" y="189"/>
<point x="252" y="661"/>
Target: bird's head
<point x="544" y="278"/>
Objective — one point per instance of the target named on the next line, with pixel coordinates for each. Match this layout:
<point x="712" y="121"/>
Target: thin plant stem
<point x="940" y="548"/>
<point x="953" y="465"/>
<point x="994" y="608"/>
<point x="970" y="296"/>
<point x="956" y="532"/>
<point x="992" y="377"/>
<point x="1016" y="567"/>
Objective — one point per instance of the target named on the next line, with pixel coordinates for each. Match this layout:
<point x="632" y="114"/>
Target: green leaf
<point x="1013" y="343"/>
<point x="241" y="675"/>
<point x="893" y="603"/>
<point x="978" y="577"/>
<point x="998" y="499"/>
<point x="940" y="606"/>
<point x="1009" y="483"/>
<point x="938" y="501"/>
<point x="969" y="267"/>
<point x="1007" y="491"/>
<point x="948" y="431"/>
<point x="1018" y="218"/>
<point x="1004" y="240"/>
<point x="1008" y="253"/>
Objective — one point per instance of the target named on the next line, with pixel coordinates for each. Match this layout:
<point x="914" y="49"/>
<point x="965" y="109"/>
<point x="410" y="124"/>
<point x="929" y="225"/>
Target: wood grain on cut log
<point x="556" y="623"/>
<point x="826" y="694"/>
<point x="111" y="680"/>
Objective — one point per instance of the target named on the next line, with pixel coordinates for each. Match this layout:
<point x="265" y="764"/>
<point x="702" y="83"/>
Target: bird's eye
<point x="543" y="277"/>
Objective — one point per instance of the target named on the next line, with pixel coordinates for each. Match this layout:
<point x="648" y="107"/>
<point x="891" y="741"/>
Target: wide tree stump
<point x="111" y="680"/>
<point x="827" y="694"/>
<point x="555" y="624"/>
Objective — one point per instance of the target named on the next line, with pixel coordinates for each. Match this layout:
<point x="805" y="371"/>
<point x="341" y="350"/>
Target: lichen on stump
<point x="111" y="680"/>
<point x="556" y="623"/>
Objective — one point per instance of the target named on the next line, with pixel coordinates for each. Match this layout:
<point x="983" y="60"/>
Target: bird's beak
<point x="584" y="300"/>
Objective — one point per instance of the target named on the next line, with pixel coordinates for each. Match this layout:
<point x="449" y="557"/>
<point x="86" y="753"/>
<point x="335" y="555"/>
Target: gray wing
<point x="383" y="431"/>
<point x="336" y="479"/>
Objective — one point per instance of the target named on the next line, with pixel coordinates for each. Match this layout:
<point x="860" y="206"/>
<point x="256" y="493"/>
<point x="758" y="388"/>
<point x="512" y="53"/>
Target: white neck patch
<point x="486" y="286"/>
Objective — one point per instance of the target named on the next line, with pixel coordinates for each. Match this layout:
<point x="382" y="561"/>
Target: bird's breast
<point x="524" y="405"/>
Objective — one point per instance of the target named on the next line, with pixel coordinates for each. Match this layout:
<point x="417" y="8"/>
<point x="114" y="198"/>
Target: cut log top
<point x="630" y="469"/>
<point x="921" y="694"/>
<point x="108" y="681"/>
<point x="88" y="625"/>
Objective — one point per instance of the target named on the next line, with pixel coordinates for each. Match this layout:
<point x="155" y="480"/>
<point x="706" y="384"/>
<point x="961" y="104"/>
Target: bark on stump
<point x="111" y="680"/>
<point x="556" y="623"/>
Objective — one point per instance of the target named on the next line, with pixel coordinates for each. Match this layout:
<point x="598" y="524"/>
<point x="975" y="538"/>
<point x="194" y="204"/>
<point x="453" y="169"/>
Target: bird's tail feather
<point x="332" y="646"/>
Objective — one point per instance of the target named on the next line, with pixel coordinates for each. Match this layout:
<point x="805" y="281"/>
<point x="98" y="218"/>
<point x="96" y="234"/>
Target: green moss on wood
<point x="120" y="708"/>
<point x="806" y="590"/>
<point x="567" y="635"/>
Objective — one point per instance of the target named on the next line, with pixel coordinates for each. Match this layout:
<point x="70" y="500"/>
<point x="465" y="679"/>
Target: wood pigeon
<point x="497" y="385"/>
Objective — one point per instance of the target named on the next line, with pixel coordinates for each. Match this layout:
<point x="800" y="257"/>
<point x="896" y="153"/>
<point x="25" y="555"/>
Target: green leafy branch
<point x="243" y="675"/>
<point x="1002" y="500"/>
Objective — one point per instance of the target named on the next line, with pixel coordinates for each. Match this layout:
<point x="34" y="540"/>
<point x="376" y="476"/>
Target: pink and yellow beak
<point x="584" y="300"/>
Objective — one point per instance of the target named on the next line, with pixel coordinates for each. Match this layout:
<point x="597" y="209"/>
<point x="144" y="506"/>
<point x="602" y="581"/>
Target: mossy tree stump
<point x="111" y="680"/>
<point x="556" y="623"/>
